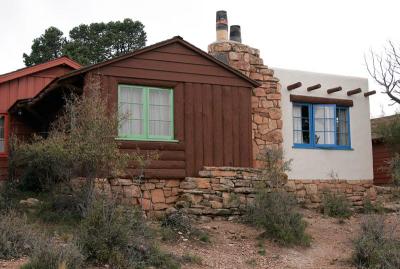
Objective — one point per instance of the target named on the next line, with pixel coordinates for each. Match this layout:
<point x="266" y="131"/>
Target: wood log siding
<point x="212" y="110"/>
<point x="213" y="130"/>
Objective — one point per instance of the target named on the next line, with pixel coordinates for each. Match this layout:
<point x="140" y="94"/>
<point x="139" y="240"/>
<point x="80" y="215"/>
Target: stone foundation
<point x="224" y="191"/>
<point x="310" y="192"/>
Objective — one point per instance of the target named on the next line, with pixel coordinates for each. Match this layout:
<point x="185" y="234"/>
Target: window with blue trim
<point x="321" y="126"/>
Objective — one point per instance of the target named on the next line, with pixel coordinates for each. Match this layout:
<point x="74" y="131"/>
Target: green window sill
<point x="149" y="140"/>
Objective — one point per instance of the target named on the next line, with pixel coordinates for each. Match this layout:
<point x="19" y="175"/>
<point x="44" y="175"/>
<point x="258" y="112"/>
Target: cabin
<point x="183" y="103"/>
<point x="20" y="85"/>
<point x="211" y="115"/>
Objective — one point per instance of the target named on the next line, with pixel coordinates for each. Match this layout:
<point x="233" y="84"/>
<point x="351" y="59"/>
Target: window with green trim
<point x="146" y="112"/>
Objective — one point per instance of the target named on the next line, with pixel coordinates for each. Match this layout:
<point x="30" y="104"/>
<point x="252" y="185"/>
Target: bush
<point x="118" y="236"/>
<point x="42" y="162"/>
<point x="15" y="236"/>
<point x="49" y="255"/>
<point x="336" y="205"/>
<point x="178" y="223"/>
<point x="275" y="212"/>
<point x="369" y="207"/>
<point x="376" y="247"/>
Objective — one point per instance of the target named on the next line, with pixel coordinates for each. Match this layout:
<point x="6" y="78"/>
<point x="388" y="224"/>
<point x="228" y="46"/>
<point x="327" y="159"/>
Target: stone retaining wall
<point x="224" y="191"/>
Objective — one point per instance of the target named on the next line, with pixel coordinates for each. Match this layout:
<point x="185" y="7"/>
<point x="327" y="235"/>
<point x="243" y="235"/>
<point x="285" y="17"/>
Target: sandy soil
<point x="234" y="246"/>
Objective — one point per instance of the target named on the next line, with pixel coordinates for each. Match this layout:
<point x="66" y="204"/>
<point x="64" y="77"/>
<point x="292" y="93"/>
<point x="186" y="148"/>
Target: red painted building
<point x="23" y="84"/>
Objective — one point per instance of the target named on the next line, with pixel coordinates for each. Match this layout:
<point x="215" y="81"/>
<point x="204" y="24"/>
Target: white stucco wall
<point x="320" y="163"/>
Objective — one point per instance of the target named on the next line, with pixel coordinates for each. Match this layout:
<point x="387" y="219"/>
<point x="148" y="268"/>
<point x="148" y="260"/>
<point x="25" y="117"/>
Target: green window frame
<point x="145" y="121"/>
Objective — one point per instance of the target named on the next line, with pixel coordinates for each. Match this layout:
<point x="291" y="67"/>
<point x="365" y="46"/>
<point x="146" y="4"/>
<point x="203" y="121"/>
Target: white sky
<point x="313" y="35"/>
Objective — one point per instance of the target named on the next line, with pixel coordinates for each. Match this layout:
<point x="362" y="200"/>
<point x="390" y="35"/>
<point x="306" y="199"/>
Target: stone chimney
<point x="266" y="100"/>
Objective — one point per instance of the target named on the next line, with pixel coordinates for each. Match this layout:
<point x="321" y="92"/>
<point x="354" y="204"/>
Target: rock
<point x="172" y="183"/>
<point x="160" y="206"/>
<point x="182" y="204"/>
<point x="275" y="113"/>
<point x="170" y="210"/>
<point x="157" y="196"/>
<point x="215" y="204"/>
<point x="30" y="202"/>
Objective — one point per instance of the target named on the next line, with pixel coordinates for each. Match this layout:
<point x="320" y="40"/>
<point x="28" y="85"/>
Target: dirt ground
<point x="235" y="246"/>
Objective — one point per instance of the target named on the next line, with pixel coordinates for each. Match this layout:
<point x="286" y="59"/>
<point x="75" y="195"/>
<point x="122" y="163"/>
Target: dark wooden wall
<point x="212" y="110"/>
<point x="381" y="156"/>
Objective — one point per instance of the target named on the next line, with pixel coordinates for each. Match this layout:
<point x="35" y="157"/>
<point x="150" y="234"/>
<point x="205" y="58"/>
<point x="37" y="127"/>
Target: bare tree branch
<point x="385" y="70"/>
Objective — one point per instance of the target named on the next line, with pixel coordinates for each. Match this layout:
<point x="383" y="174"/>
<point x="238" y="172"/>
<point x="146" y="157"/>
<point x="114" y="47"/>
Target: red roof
<point x="64" y="60"/>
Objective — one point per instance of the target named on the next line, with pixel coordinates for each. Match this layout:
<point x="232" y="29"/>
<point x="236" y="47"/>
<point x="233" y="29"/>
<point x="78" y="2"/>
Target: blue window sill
<point x="323" y="147"/>
<point x="149" y="140"/>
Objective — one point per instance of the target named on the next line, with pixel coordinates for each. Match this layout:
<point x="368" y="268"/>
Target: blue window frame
<point x="321" y="126"/>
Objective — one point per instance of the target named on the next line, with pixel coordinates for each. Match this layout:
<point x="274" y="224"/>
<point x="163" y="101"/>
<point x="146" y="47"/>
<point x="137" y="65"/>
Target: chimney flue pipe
<point x="235" y="33"/>
<point x="222" y="25"/>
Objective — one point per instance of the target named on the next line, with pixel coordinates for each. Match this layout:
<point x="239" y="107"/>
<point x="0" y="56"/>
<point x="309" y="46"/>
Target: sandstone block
<point x="148" y="186"/>
<point x="260" y="92"/>
<point x="226" y="181"/>
<point x="215" y="204"/>
<point x="274" y="96"/>
<point x="258" y="119"/>
<point x="187" y="185"/>
<point x="311" y="189"/>
<point x="275" y="113"/>
<point x="172" y="183"/>
<point x="157" y="196"/>
<point x="146" y="204"/>
<point x="132" y="191"/>
<point x="202" y="183"/>
<point x="218" y="173"/>
<point x="171" y="199"/>
<point x="160" y="206"/>
<point x="234" y="56"/>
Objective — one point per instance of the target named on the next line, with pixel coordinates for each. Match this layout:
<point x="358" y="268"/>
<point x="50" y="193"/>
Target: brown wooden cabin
<point x="382" y="152"/>
<point x="19" y="85"/>
<point x="211" y="105"/>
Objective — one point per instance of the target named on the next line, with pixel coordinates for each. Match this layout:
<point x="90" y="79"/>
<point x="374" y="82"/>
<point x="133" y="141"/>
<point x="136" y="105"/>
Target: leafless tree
<point x="384" y="68"/>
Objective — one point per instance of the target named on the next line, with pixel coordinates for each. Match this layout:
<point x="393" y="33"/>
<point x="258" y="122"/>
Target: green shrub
<point x="275" y="212"/>
<point x="369" y="207"/>
<point x="15" y="236"/>
<point x="115" y="235"/>
<point x="49" y="255"/>
<point x="61" y="207"/>
<point x="336" y="205"/>
<point x="376" y="247"/>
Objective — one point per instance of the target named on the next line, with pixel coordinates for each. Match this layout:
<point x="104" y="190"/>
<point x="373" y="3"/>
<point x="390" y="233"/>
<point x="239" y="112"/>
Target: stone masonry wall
<point x="226" y="191"/>
<point x="223" y="191"/>
<point x="266" y="100"/>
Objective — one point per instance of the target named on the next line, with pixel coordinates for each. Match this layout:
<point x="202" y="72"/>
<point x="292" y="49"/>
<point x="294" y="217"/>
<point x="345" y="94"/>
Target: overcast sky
<point x="321" y="36"/>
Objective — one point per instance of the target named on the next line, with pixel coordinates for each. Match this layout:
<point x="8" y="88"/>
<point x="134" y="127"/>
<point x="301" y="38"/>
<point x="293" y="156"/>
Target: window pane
<point x="329" y="137"/>
<point x="319" y="138"/>
<point x="329" y="112"/>
<point x="131" y="110"/>
<point x="160" y="121"/>
<point x="319" y="125"/>
<point x="319" y="112"/>
<point x="301" y="124"/>
<point x="2" y="146"/>
<point x="342" y="127"/>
